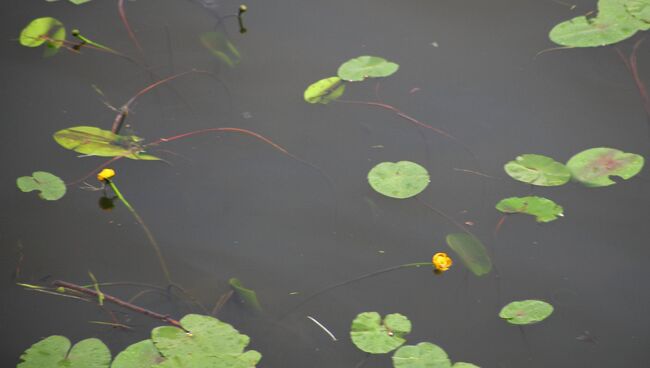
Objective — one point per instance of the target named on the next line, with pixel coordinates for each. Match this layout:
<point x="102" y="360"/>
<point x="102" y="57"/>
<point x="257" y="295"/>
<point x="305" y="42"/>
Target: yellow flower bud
<point x="441" y="261"/>
<point x="105" y="174"/>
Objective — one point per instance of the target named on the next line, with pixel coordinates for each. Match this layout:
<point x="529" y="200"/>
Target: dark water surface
<point x="230" y="206"/>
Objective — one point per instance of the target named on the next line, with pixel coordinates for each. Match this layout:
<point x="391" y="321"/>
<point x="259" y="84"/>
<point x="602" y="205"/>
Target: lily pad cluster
<point x="207" y="342"/>
<point x="615" y="21"/>
<point x="374" y="335"/>
<point x="357" y="69"/>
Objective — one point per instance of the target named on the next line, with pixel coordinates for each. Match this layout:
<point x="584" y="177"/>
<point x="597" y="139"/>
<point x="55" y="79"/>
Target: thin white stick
<point x="323" y="327"/>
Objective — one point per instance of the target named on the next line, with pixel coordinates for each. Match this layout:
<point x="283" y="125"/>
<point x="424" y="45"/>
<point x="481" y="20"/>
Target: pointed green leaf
<point x="594" y="166"/>
<point x="51" y="187"/>
<point x="471" y="252"/>
<point x="422" y="355"/>
<point x="526" y="312"/>
<point x="138" y="355"/>
<point x="52" y="352"/>
<point x="538" y="170"/>
<point x="363" y="67"/>
<point x="324" y="91"/>
<point x="94" y="141"/>
<point x="400" y="180"/>
<point x="247" y="295"/>
<point x="544" y="210"/>
<point x="372" y="335"/>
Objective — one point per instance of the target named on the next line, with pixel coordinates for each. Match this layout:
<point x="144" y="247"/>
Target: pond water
<point x="227" y="205"/>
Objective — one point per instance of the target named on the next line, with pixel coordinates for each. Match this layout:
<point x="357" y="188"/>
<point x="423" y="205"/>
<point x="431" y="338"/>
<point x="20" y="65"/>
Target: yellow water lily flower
<point x="441" y="261"/>
<point x="105" y="174"/>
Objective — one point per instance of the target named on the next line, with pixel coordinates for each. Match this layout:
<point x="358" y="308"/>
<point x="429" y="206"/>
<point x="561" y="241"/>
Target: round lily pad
<point x="358" y="69"/>
<point x="372" y="335"/>
<point x="324" y="91"/>
<point x="55" y="352"/>
<point x="594" y="166"/>
<point x="538" y="170"/>
<point x="400" y="180"/>
<point x="526" y="312"/>
<point x="50" y="186"/>
<point x="471" y="252"/>
<point x="544" y="209"/>
<point x="422" y="355"/>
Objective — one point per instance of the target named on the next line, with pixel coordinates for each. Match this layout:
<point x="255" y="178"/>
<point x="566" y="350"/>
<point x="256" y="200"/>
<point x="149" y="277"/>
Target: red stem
<point x="631" y="65"/>
<point x="122" y="11"/>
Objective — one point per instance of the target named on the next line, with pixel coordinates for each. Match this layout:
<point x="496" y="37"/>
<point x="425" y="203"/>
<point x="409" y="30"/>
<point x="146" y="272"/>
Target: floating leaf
<point x="464" y="365"/>
<point x="372" y="335"/>
<point x="363" y="67"/>
<point x="639" y="9"/>
<point x="324" y="91"/>
<point x="544" y="209"/>
<point x="422" y="355"/>
<point x="211" y="343"/>
<point x="247" y="295"/>
<point x="594" y="166"/>
<point x="538" y="170"/>
<point x="52" y="352"/>
<point x="94" y="141"/>
<point x="471" y="252"/>
<point x="526" y="312"/>
<point x="79" y="2"/>
<point x="50" y="186"/>
<point x="46" y="30"/>
<point x="401" y="180"/>
<point x="220" y="46"/>
<point x="138" y="355"/>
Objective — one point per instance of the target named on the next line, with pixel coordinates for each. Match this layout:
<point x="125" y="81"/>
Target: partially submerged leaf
<point x="538" y="170"/>
<point x="422" y="355"/>
<point x="544" y="209"/>
<point x="52" y="352"/>
<point x="324" y="91"/>
<point x="94" y="141"/>
<point x="400" y="180"/>
<point x="526" y="312"/>
<point x="46" y="30"/>
<point x="363" y="67"/>
<point x="471" y="252"/>
<point x="220" y="46"/>
<point x="50" y="186"/>
<point x="138" y="355"/>
<point x="247" y="295"/>
<point x="594" y="166"/>
<point x="372" y="335"/>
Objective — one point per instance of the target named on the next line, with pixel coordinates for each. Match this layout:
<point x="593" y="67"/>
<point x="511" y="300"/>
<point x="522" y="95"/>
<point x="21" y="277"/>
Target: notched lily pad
<point x="400" y="180"/>
<point x="544" y="209"/>
<point x="325" y="90"/>
<point x="94" y="141"/>
<point x="526" y="312"/>
<point x="47" y="30"/>
<point x="50" y="186"/>
<point x="594" y="166"/>
<point x="471" y="252"/>
<point x="358" y="69"/>
<point x="422" y="355"/>
<point x="538" y="170"/>
<point x="372" y="335"/>
<point x="55" y="352"/>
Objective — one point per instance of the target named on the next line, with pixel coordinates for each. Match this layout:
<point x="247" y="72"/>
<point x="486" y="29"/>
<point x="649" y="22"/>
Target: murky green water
<point x="228" y="205"/>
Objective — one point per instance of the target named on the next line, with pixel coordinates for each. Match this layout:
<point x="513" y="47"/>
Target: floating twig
<point x="323" y="328"/>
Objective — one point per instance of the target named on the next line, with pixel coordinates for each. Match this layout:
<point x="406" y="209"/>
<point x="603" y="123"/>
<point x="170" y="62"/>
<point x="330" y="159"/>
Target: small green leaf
<point x="324" y="91"/>
<point x="594" y="166"/>
<point x="46" y="30"/>
<point x="400" y="180"/>
<point x="220" y="46"/>
<point x="79" y="2"/>
<point x="52" y="352"/>
<point x="247" y="295"/>
<point x="471" y="252"/>
<point x="544" y="209"/>
<point x="464" y="365"/>
<point x="372" y="335"/>
<point x="138" y="355"/>
<point x="538" y="170"/>
<point x="51" y="187"/>
<point x="363" y="67"/>
<point x="526" y="312"/>
<point x="94" y="141"/>
<point x="422" y="355"/>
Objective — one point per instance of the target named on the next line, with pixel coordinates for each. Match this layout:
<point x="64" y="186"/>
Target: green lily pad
<point x="210" y="343"/>
<point x="247" y="295"/>
<point x="363" y="67"/>
<point x="594" y="166"/>
<point x="400" y="180"/>
<point x="465" y="365"/>
<point x="422" y="355"/>
<point x="544" y="209"/>
<point x="372" y="335"/>
<point x="138" y="355"/>
<point x="538" y="170"/>
<point x="55" y="352"/>
<point x="50" y="186"/>
<point x="526" y="312"/>
<point x="640" y="9"/>
<point x="46" y="30"/>
<point x="324" y="91"/>
<point x="471" y="252"/>
<point x="94" y="141"/>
